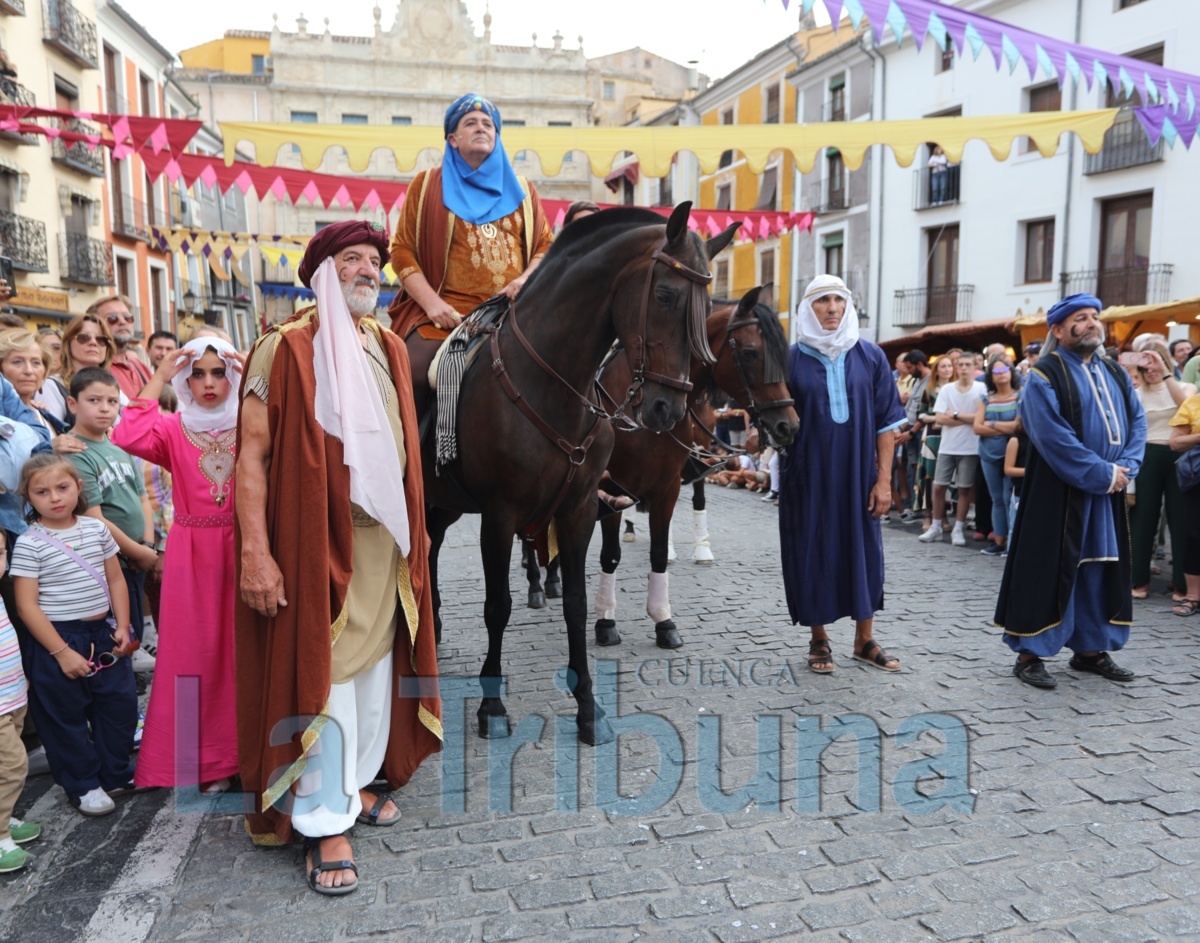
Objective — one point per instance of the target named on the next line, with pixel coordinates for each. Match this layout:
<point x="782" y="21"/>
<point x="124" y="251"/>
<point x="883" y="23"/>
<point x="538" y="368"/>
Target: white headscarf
<point x="194" y="416"/>
<point x="348" y="407"/>
<point x="808" y="329"/>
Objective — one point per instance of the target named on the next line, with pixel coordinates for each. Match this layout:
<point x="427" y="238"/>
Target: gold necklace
<point x="216" y="461"/>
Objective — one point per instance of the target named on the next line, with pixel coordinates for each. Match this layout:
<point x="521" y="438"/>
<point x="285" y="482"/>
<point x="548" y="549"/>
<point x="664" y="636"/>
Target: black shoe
<point x="1033" y="672"/>
<point x="1102" y="665"/>
<point x="995" y="550"/>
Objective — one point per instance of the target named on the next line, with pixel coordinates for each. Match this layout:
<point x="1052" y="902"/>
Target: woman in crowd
<point x="994" y="424"/>
<point x="87" y="342"/>
<point x="195" y="637"/>
<point x="943" y="373"/>
<point x="1161" y="396"/>
<point x="23" y="362"/>
<point x="1185" y="436"/>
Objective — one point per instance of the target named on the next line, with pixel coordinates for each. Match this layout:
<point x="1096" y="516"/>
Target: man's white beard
<point x="359" y="305"/>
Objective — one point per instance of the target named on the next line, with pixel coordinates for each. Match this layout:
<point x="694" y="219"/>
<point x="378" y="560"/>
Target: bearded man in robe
<point x="332" y="567"/>
<point x="469" y="229"/>
<point x="1068" y="578"/>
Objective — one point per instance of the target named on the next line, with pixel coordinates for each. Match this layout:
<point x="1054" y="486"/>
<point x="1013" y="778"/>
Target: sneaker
<point x="771" y="496"/>
<point x="995" y="550"/>
<point x="933" y="535"/>
<point x="13" y="859"/>
<point x="22" y="832"/>
<point x="149" y="637"/>
<point x="95" y="802"/>
<point x="958" y="538"/>
<point x="141" y="660"/>
<point x="886" y="519"/>
<point x="907" y="517"/>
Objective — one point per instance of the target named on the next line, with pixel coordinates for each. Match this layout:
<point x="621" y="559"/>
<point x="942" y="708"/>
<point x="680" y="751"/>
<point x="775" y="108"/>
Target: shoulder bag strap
<point x="87" y="567"/>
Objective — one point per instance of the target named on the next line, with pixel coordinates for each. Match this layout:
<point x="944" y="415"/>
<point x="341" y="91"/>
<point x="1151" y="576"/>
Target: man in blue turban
<point x="1067" y="582"/>
<point x="468" y="230"/>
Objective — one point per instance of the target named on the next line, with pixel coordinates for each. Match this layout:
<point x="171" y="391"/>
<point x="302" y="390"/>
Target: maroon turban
<point x="337" y="236"/>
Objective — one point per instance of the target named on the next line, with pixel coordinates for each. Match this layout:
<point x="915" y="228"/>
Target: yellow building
<point x="238" y="51"/>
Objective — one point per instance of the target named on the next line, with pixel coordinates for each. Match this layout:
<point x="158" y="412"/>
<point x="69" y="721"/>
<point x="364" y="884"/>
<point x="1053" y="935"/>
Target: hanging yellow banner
<point x="655" y="147"/>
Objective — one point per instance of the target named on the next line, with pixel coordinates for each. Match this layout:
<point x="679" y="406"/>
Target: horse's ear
<point x="766" y="295"/>
<point x="748" y="301"/>
<point x="678" y="223"/>
<point x="721" y="240"/>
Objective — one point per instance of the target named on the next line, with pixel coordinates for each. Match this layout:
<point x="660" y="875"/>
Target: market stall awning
<point x="938" y="338"/>
<point x="627" y="172"/>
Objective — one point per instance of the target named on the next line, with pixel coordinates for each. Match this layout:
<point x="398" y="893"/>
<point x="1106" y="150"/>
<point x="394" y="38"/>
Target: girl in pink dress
<point x="190" y="735"/>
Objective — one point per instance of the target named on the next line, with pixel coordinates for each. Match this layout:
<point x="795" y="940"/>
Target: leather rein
<point x="577" y="454"/>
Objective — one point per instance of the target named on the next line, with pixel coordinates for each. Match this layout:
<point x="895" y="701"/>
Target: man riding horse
<point x="469" y="230"/>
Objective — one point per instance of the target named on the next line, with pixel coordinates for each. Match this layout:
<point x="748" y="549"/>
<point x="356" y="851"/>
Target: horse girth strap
<point x="698" y="344"/>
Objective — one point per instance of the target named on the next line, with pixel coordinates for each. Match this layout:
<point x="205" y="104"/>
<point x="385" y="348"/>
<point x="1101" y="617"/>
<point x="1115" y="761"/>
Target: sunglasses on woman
<point x="86" y="339"/>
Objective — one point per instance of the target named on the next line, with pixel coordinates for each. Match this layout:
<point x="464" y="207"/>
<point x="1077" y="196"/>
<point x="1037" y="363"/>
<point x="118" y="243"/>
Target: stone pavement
<point x="1071" y="815"/>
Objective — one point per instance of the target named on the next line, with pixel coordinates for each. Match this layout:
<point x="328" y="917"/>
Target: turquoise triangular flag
<point x="937" y="29"/>
<point x="1169" y="132"/>
<point x="896" y="20"/>
<point x="1101" y="75"/>
<point x="1127" y="85"/>
<point x="1172" y="96"/>
<point x="974" y="39"/>
<point x="1073" y="68"/>
<point x="1011" y="53"/>
<point x="1048" y="69"/>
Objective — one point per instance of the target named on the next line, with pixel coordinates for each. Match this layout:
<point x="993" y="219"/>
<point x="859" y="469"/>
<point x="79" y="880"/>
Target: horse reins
<point x="752" y="406"/>
<point x="577" y="454"/>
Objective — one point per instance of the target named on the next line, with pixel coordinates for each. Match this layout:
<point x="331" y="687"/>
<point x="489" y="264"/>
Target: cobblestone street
<point x="1085" y="823"/>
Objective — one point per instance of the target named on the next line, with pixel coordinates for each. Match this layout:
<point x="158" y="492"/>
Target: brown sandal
<point x="819" y="653"/>
<point x="876" y="657"/>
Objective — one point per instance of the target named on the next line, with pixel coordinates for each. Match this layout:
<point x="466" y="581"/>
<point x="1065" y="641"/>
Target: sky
<point x="720" y="34"/>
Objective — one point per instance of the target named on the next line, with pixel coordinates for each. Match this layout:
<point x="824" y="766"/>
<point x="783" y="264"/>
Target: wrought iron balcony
<point x="75" y="154"/>
<point x="70" y="32"/>
<point x="823" y="199"/>
<point x="13" y="7"/>
<point x="24" y="242"/>
<point x="1125" y="145"/>
<point x="1136" y="285"/>
<point x="930" y="189"/>
<point x="84" y="259"/>
<point x="133" y="218"/>
<point x="13" y="92"/>
<point x="944" y="304"/>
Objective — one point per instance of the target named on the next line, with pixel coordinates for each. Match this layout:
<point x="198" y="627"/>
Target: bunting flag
<point x="130" y="133"/>
<point x="1011" y="45"/>
<point x="656" y="147"/>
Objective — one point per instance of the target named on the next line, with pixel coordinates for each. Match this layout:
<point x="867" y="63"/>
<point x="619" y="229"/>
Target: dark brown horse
<point x="531" y="446"/>
<point x="751" y="367"/>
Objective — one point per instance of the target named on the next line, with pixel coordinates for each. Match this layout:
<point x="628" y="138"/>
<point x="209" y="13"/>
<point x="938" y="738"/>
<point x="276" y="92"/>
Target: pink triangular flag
<point x="120" y="128"/>
<point x="764" y="227"/>
<point x="279" y="188"/>
<point x="158" y="138"/>
<point x="713" y="228"/>
<point x="85" y="115"/>
<point x="173" y="170"/>
<point x="52" y="132"/>
<point x="121" y="150"/>
<point x="342" y="197"/>
<point x="399" y="204"/>
<point x="243" y="181"/>
<point x="559" y="218"/>
<point x="9" y="124"/>
<point x="372" y="199"/>
<point x="692" y="224"/>
<point x="311" y="193"/>
<point x="208" y="176"/>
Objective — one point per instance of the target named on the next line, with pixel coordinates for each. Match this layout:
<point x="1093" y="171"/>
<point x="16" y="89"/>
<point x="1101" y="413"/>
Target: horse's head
<point x="660" y="315"/>
<point x="752" y="364"/>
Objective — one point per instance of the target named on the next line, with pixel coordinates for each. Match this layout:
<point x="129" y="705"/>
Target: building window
<point x="666" y="196"/>
<point x="766" y="267"/>
<point x="1039" y="251"/>
<point x="727" y="116"/>
<point x="10" y="186"/>
<point x="837" y="98"/>
<point x="401" y="119"/>
<point x="726" y="156"/>
<point x="768" y="188"/>
<point x="627" y="192"/>
<point x="649" y="63"/>
<point x="1043" y="98"/>
<point x="721" y="287"/>
<point x="1125" y="249"/>
<point x="354" y="119"/>
<point x="610" y="91"/>
<point x="835" y="179"/>
<point x="833" y="246"/>
<point x="725" y="196"/>
<point x="946" y="61"/>
<point x="258" y="64"/>
<point x="772" y="105"/>
<point x="123" y="281"/>
<point x="304" y="117"/>
<point x="146" y="87"/>
<point x="1115" y="96"/>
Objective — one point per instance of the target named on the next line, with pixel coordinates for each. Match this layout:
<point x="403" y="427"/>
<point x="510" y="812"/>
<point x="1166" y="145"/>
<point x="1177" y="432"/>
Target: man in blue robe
<point x="1067" y="581"/>
<point x="836" y="477"/>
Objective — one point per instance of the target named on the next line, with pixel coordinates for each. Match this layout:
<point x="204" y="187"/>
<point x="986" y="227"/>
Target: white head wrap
<point x="194" y="416"/>
<point x="808" y="329"/>
<point x="348" y="407"/>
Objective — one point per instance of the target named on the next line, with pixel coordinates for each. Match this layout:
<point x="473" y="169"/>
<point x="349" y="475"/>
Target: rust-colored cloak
<point x="283" y="663"/>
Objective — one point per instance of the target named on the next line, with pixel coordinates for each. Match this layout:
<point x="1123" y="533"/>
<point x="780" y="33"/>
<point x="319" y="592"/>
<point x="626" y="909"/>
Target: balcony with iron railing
<point x="825" y="199"/>
<point x="24" y="242"/>
<point x="13" y="92"/>
<point x="70" y="32"/>
<point x="1125" y="145"/>
<point x="944" y="304"/>
<point x="1135" y="285"/>
<point x="941" y="189"/>
<point x="13" y="7"/>
<point x="84" y="259"/>
<point x="133" y="218"/>
<point x="76" y="154"/>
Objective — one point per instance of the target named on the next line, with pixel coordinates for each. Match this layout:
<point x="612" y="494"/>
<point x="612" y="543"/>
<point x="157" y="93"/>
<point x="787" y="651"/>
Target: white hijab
<point x="808" y="329"/>
<point x="348" y="407"/>
<point x="195" y="417"/>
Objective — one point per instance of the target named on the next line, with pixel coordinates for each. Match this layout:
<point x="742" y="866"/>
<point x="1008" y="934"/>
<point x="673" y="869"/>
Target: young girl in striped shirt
<point x="77" y="670"/>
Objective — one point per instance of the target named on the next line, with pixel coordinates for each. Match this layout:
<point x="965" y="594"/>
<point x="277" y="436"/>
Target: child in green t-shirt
<point x="115" y="490"/>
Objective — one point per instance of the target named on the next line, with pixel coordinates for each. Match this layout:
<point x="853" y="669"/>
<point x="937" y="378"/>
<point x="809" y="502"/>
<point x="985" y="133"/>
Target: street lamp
<point x="190" y="302"/>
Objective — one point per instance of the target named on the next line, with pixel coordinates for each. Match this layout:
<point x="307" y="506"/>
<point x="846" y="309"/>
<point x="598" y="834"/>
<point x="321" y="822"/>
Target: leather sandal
<point x="819" y="653"/>
<point x="875" y="656"/>
<point x="313" y="846"/>
<point x="1033" y="672"/>
<point x="1102" y="665"/>
<point x="1186" y="607"/>
<point x="372" y="817"/>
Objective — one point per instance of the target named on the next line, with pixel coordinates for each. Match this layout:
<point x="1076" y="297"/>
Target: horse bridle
<point x="751" y="406"/>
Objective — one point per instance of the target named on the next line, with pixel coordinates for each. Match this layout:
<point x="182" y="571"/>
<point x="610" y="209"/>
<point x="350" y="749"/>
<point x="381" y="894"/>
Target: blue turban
<point x="1069" y="305"/>
<point x="492" y="191"/>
